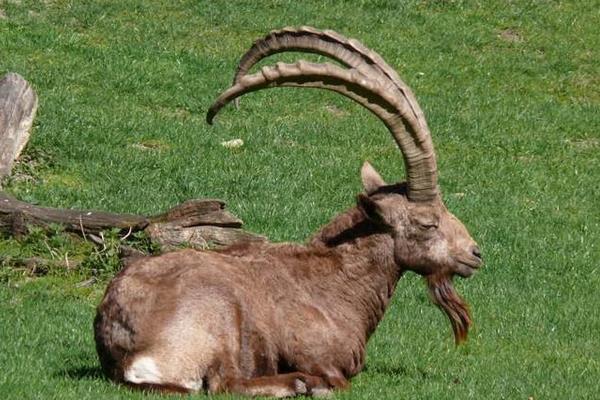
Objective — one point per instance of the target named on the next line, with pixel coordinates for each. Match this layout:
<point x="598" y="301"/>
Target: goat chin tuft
<point x="445" y="296"/>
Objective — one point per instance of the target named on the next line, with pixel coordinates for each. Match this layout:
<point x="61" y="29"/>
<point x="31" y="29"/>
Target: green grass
<point x="511" y="93"/>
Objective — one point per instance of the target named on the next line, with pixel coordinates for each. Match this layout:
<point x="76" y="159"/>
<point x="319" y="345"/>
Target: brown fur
<point x="444" y="295"/>
<point x="280" y="319"/>
<point x="164" y="388"/>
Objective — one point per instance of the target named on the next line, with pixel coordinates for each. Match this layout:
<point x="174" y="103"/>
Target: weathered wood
<point x="200" y="212"/>
<point x="16" y="216"/>
<point x="18" y="104"/>
<point x="196" y="223"/>
<point x="171" y="236"/>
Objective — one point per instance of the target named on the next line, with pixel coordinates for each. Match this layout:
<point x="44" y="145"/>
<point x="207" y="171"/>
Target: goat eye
<point x="429" y="226"/>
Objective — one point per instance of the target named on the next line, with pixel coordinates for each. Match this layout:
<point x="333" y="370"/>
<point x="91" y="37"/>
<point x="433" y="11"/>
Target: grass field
<point x="511" y="91"/>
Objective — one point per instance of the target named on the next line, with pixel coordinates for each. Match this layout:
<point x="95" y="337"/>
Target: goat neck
<point x="368" y="272"/>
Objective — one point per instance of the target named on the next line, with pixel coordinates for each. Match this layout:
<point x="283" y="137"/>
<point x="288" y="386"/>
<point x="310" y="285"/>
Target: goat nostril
<point x="476" y="252"/>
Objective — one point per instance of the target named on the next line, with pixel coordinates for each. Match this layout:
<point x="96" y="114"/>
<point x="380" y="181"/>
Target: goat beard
<point x="445" y="297"/>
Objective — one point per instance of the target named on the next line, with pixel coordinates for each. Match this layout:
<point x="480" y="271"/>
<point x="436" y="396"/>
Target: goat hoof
<point x="300" y="386"/>
<point x="311" y="386"/>
<point x="321" y="392"/>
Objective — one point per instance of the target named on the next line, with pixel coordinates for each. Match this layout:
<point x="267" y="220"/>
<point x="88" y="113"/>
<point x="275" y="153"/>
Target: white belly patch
<point x="143" y="370"/>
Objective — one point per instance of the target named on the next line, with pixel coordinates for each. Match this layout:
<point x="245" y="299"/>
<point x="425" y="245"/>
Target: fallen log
<point x="18" y="104"/>
<point x="201" y="223"/>
<point x="172" y="235"/>
<point x="16" y="216"/>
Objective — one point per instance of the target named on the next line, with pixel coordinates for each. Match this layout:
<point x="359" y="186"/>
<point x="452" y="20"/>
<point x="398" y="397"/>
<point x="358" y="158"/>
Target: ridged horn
<point x="349" y="52"/>
<point x="372" y="92"/>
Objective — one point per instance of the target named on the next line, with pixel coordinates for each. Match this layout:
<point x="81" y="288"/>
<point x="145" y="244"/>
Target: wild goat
<point x="286" y="319"/>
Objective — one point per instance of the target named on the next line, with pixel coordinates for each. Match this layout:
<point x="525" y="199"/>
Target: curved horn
<point x="370" y="92"/>
<point x="349" y="52"/>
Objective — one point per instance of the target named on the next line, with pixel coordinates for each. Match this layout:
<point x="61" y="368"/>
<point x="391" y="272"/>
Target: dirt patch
<point x="338" y="112"/>
<point x="510" y="35"/>
<point x="178" y="113"/>
<point x="584" y="144"/>
<point x="3" y="14"/>
<point x="150" y="144"/>
<point x="583" y="82"/>
<point x="529" y="158"/>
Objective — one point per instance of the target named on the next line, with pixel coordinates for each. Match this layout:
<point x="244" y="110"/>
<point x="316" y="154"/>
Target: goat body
<point x="283" y="319"/>
<point x="221" y="319"/>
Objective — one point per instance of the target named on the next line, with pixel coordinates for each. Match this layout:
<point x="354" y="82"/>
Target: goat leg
<point x="334" y="378"/>
<point x="282" y="385"/>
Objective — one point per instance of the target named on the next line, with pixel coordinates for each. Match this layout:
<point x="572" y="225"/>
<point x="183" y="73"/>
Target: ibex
<point x="285" y="319"/>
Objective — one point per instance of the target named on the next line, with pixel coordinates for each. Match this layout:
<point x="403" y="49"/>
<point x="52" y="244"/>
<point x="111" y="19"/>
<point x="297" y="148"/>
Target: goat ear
<point x="371" y="179"/>
<point x="371" y="209"/>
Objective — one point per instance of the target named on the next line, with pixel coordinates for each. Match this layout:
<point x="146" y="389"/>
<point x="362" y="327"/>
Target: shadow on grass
<point x="402" y="371"/>
<point x="82" y="373"/>
<point x="386" y="369"/>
